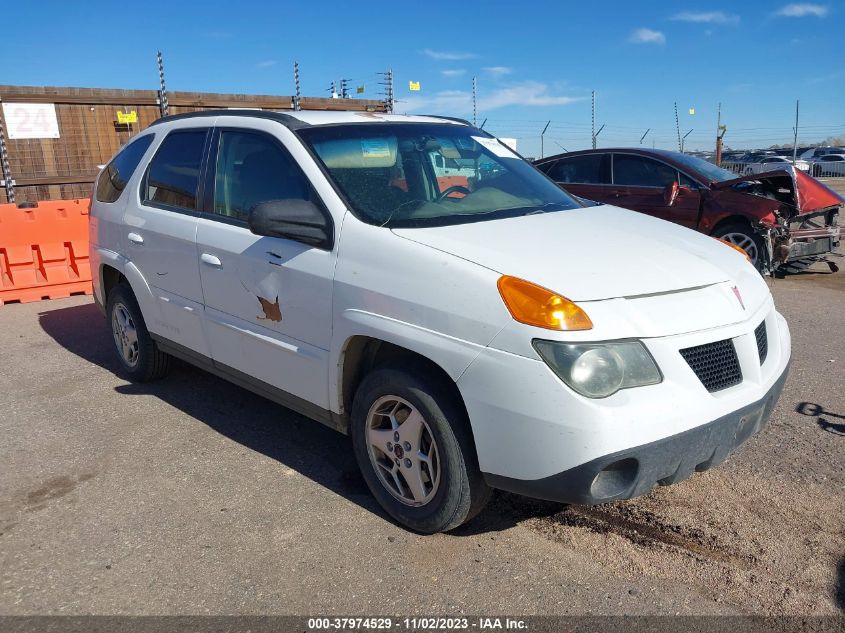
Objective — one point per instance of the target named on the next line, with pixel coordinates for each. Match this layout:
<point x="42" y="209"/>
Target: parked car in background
<point x="828" y="165"/>
<point x="768" y="163"/>
<point x="815" y="152"/>
<point x="465" y="343"/>
<point x="780" y="217"/>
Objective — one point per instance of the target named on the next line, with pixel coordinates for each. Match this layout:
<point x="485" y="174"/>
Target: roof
<point x="305" y="118"/>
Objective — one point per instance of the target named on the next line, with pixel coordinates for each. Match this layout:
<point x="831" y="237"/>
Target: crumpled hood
<point x="589" y="254"/>
<point x="810" y="194"/>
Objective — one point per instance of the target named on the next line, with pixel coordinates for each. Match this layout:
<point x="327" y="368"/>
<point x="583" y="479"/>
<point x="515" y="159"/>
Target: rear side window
<point x="639" y="171"/>
<point x="117" y="173"/>
<point x="578" y="169"/>
<point x="174" y="171"/>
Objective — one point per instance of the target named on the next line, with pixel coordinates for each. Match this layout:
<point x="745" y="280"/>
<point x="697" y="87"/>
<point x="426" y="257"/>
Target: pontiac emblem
<point x="738" y="296"/>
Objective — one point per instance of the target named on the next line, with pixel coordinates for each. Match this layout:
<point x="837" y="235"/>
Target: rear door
<point x="640" y="182"/>
<point x="161" y="227"/>
<point x="268" y="300"/>
<point x="585" y="175"/>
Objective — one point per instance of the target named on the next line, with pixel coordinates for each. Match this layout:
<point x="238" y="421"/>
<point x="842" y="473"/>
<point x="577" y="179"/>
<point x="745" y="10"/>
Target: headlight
<point x="598" y="370"/>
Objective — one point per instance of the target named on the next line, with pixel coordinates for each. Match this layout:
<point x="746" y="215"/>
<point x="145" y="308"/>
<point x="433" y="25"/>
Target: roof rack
<point x="285" y="119"/>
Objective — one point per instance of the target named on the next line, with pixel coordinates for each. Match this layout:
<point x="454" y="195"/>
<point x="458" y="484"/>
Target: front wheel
<point x="746" y="238"/>
<point x="413" y="446"/>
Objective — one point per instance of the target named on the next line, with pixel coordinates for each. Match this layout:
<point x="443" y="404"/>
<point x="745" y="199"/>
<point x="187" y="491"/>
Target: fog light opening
<point x="615" y="479"/>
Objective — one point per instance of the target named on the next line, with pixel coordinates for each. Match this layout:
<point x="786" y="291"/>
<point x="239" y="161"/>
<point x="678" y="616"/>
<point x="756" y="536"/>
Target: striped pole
<point x="4" y="162"/>
<point x="163" y="107"/>
<point x="296" y="96"/>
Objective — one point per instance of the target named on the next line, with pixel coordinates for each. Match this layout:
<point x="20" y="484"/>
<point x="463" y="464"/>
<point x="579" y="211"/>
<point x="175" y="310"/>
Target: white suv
<point x="470" y="331"/>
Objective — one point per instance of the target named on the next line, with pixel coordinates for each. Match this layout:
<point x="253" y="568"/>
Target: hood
<point x="590" y="253"/>
<point x="809" y="194"/>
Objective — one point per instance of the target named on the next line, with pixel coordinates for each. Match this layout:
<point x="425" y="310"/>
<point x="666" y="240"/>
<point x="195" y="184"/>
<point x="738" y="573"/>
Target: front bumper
<point x="633" y="472"/>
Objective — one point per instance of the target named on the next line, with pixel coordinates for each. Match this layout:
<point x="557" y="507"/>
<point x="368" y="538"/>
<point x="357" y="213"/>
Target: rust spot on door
<point x="272" y="311"/>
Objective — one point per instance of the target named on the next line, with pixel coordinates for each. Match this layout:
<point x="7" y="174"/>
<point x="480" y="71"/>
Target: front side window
<point x="430" y="174"/>
<point x="117" y="173"/>
<point x="585" y="169"/>
<point x="639" y="171"/>
<point x="173" y="174"/>
<point x="253" y="168"/>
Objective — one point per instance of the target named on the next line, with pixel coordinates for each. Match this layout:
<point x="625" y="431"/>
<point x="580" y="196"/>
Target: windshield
<point x="424" y="174"/>
<point x="710" y="171"/>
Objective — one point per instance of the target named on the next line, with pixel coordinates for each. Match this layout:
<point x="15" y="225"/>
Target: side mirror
<point x="292" y="219"/>
<point x="670" y="193"/>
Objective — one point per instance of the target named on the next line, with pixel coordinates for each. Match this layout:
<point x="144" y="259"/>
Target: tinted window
<point x="174" y="171"/>
<point x="252" y="168"/>
<point x="578" y="169"/>
<point x="641" y="171"/>
<point x="117" y="173"/>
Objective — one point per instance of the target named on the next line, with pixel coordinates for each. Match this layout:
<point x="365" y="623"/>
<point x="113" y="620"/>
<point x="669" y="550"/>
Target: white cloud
<point x="706" y="17"/>
<point x="453" y="72"/>
<point x="647" y="36"/>
<point x="802" y="9"/>
<point x="267" y="63"/>
<point x="527" y="93"/>
<point x="448" y="55"/>
<point x="498" y="70"/>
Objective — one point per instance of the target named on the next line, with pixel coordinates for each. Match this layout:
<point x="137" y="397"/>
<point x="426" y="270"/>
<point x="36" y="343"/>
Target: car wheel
<point x="746" y="238"/>
<point x="138" y="353"/>
<point x="413" y="446"/>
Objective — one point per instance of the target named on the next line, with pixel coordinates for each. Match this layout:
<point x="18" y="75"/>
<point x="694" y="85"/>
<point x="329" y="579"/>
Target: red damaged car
<point x="783" y="219"/>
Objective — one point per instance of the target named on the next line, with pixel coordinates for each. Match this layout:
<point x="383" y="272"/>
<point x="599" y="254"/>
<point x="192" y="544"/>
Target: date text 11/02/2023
<point x="416" y="624"/>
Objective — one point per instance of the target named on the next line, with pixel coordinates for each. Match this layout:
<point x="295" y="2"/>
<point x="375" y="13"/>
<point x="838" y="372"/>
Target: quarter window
<point x="639" y="171"/>
<point x="174" y="171"/>
<point x="117" y="173"/>
<point x="578" y="169"/>
<point x="252" y="168"/>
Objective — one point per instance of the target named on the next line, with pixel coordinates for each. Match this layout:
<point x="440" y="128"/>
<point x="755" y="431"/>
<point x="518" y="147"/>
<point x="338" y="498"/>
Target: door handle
<point x="135" y="238"/>
<point x="211" y="260"/>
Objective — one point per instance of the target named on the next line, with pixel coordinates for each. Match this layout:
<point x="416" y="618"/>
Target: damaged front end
<point x="799" y="219"/>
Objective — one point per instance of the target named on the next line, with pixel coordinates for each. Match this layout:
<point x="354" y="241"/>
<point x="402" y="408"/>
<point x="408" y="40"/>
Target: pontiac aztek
<point x="411" y="281"/>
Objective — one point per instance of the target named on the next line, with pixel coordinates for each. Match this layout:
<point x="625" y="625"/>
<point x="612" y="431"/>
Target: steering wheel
<point x="453" y="189"/>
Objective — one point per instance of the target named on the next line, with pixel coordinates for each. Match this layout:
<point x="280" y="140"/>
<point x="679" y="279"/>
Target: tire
<point x="457" y="489"/>
<point x="139" y="356"/>
<point x="745" y="237"/>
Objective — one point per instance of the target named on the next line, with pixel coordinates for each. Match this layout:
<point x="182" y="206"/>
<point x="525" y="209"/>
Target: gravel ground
<point x="192" y="496"/>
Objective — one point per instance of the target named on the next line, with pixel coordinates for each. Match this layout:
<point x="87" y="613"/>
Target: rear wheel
<point x="742" y="235"/>
<point x="138" y="353"/>
<point x="413" y="446"/>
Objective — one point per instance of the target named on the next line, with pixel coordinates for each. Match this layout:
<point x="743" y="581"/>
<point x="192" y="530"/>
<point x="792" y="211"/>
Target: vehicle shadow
<point x="309" y="448"/>
<point x="814" y="410"/>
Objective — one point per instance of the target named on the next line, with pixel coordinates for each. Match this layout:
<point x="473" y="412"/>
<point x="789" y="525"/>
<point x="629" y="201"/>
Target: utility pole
<point x="642" y="138"/>
<point x="678" y="129"/>
<point x="718" y="137"/>
<point x="332" y="91"/>
<point x="474" y="101"/>
<point x="542" y="134"/>
<point x="795" y="141"/>
<point x="162" y="93"/>
<point x="683" y="140"/>
<point x="296" y="96"/>
<point x="344" y="88"/>
<point x="596" y="135"/>
<point x="593" y="118"/>
<point x="389" y="101"/>
<point x="8" y="183"/>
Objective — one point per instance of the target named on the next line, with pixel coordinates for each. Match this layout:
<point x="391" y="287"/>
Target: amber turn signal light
<point x="534" y="305"/>
<point x="736" y="248"/>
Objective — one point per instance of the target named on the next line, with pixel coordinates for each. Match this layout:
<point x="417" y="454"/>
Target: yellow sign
<point x="359" y="90"/>
<point x="692" y="110"/>
<point x="414" y="85"/>
<point x="127" y="117"/>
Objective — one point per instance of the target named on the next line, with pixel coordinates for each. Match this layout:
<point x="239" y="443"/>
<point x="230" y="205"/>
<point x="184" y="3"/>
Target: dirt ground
<point x="192" y="496"/>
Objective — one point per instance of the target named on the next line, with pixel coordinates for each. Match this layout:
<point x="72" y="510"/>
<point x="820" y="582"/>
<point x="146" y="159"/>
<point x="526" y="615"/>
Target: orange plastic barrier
<point x="44" y="251"/>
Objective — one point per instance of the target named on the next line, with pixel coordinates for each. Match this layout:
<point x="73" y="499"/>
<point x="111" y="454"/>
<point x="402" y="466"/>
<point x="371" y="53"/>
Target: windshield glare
<point x="712" y="172"/>
<point x="422" y="174"/>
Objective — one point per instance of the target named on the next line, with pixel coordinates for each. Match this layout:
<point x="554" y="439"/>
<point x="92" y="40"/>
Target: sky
<point x="534" y="62"/>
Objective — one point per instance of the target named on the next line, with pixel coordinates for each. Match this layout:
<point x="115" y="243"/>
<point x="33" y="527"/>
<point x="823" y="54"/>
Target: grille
<point x="762" y="341"/>
<point x="715" y="364"/>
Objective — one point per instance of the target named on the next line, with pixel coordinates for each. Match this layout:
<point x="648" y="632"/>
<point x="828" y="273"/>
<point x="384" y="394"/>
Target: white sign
<point x="31" y="120"/>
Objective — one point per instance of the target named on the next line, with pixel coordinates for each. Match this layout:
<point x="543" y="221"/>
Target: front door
<point x="639" y="183"/>
<point x="267" y="299"/>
